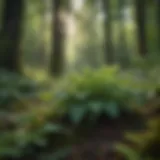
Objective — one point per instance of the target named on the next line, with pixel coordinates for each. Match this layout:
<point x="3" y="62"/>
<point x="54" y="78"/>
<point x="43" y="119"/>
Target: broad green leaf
<point x="77" y="113"/>
<point x="41" y="141"/>
<point x="112" y="110"/>
<point x="96" y="107"/>
<point x="54" y="128"/>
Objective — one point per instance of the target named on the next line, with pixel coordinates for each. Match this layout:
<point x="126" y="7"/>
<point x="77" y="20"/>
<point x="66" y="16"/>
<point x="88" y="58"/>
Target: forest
<point x="80" y="80"/>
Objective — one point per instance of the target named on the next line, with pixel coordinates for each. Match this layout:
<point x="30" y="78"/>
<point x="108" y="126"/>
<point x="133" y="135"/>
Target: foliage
<point x="30" y="134"/>
<point x="88" y="94"/>
<point x="145" y="145"/>
<point x="14" y="87"/>
<point x="26" y="132"/>
<point x="96" y="92"/>
<point x="39" y="130"/>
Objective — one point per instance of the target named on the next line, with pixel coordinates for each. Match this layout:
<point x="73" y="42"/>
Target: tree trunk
<point x="140" y="6"/>
<point x="158" y="23"/>
<point x="57" y="56"/>
<point x="10" y="35"/>
<point x="108" y="46"/>
<point x="45" y="22"/>
<point x="122" y="53"/>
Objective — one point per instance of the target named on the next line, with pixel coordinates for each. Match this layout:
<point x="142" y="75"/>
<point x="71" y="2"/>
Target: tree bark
<point x="10" y="35"/>
<point x="57" y="55"/>
<point x="158" y="23"/>
<point x="122" y="53"/>
<point x="108" y="46"/>
<point x="140" y="6"/>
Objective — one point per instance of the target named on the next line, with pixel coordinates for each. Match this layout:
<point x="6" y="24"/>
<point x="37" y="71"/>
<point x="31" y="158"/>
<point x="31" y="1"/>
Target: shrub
<point x="144" y="145"/>
<point x="90" y="95"/>
<point x="32" y="136"/>
<point x="14" y="87"/>
<point x="96" y="92"/>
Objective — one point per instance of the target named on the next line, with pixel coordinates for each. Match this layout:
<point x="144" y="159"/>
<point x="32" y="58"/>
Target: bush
<point x="90" y="95"/>
<point x="96" y="92"/>
<point x="26" y="133"/>
<point x="14" y="87"/>
<point x="144" y="145"/>
<point x="32" y="136"/>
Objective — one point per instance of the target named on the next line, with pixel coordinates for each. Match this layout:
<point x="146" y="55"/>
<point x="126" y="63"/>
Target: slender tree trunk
<point x="43" y="30"/>
<point x="108" y="46"/>
<point x="123" y="57"/>
<point x="10" y="35"/>
<point x="158" y="23"/>
<point x="121" y="19"/>
<point x="140" y="6"/>
<point x="57" y="56"/>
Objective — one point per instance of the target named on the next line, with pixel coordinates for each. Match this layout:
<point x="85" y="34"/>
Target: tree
<point x="57" y="55"/>
<point x="123" y="57"/>
<point x="89" y="51"/>
<point x="10" y="35"/>
<point x="140" y="6"/>
<point x="158" y="22"/>
<point x="45" y="11"/>
<point x="108" y="46"/>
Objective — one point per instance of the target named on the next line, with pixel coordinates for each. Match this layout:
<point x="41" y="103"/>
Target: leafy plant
<point x="145" y="144"/>
<point x="28" y="134"/>
<point x="97" y="92"/>
<point x="14" y="87"/>
<point x="128" y="152"/>
<point x="85" y="96"/>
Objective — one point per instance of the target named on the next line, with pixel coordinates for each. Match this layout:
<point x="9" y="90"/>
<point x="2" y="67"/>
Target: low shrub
<point x="96" y="92"/>
<point x="39" y="132"/>
<point x="143" y="145"/>
<point x="14" y="87"/>
<point x="32" y="136"/>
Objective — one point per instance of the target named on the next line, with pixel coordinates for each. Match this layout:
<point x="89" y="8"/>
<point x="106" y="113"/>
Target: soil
<point x="99" y="143"/>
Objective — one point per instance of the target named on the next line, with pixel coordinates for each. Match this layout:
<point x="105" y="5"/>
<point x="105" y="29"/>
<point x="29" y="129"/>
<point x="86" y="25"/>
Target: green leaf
<point x="40" y="141"/>
<point x="54" y="128"/>
<point x="46" y="96"/>
<point x="128" y="153"/>
<point x="96" y="107"/>
<point x="14" y="152"/>
<point x="77" y="113"/>
<point x="112" y="110"/>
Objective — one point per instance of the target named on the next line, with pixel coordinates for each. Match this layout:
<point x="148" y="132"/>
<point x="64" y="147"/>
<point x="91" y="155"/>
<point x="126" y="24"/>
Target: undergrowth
<point x="40" y="131"/>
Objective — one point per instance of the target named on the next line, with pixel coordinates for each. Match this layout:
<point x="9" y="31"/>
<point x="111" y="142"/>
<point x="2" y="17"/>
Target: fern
<point x="128" y="152"/>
